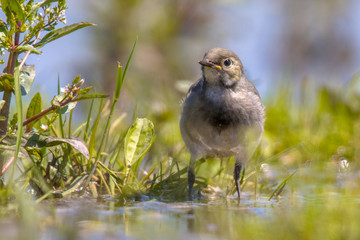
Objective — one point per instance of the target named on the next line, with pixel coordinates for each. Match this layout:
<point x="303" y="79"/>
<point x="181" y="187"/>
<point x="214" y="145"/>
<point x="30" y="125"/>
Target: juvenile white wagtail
<point x="223" y="115"/>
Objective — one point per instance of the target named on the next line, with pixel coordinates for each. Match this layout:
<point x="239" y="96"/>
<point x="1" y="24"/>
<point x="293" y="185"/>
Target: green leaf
<point x="27" y="76"/>
<point x="60" y="32"/>
<point x="129" y="60"/>
<point x="16" y="8"/>
<point x="67" y="108"/>
<point x="27" y="47"/>
<point x="76" y="79"/>
<point x="138" y="140"/>
<point x="57" y="100"/>
<point x="34" y="108"/>
<point x="90" y="96"/>
<point x="6" y="82"/>
<point x="94" y="129"/>
<point x="3" y="30"/>
<point x="36" y="6"/>
<point x="84" y="90"/>
<point x="121" y="74"/>
<point x="3" y="37"/>
<point x="119" y="82"/>
<point x="36" y="140"/>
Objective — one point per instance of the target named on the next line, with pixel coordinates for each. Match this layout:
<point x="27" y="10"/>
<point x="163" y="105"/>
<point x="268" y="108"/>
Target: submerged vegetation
<point x="305" y="173"/>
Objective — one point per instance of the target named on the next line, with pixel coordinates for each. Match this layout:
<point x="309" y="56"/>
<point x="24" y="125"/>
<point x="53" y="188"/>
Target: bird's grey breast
<point x="229" y="108"/>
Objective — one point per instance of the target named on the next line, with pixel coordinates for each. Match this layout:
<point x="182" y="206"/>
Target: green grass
<point x="317" y="131"/>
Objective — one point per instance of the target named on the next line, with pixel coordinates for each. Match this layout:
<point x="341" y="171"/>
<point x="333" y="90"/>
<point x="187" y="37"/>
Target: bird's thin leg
<point x="237" y="171"/>
<point x="191" y="175"/>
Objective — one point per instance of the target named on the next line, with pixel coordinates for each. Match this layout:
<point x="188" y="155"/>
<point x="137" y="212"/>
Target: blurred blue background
<point x="277" y="41"/>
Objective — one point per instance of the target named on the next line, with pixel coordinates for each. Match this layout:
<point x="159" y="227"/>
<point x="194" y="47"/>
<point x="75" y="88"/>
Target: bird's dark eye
<point x="227" y="62"/>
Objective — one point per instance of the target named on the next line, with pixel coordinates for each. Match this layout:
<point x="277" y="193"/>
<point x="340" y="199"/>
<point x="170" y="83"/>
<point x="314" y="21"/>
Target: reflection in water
<point x="190" y="221"/>
<point x="101" y="218"/>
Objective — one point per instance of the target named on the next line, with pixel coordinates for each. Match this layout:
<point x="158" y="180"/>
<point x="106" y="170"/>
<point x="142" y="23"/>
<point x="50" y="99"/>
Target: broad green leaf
<point x="27" y="47"/>
<point x="60" y="32"/>
<point x="6" y="82"/>
<point x="34" y="108"/>
<point x="36" y="140"/>
<point x="138" y="140"/>
<point x="90" y="96"/>
<point x="27" y="76"/>
<point x="16" y="9"/>
<point x="5" y="6"/>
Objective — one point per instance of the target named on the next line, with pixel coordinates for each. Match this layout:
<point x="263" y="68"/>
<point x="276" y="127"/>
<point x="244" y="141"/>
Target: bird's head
<point x="222" y="67"/>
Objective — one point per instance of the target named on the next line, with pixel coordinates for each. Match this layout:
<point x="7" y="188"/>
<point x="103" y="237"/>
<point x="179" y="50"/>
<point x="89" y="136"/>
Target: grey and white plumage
<point x="222" y="114"/>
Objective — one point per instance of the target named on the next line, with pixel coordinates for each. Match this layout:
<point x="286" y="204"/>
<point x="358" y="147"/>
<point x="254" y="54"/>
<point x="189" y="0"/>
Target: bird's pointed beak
<point x="205" y="62"/>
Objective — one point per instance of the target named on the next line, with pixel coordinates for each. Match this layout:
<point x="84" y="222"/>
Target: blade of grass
<point x="19" y="110"/>
<point x="75" y="185"/>
<point x="93" y="133"/>
<point x="61" y="123"/>
<point x="147" y="176"/>
<point x="119" y="147"/>
<point x="103" y="181"/>
<point x="111" y="173"/>
<point x="281" y="186"/>
<point x="118" y="86"/>
<point x="118" y="82"/>
<point x="88" y="121"/>
<point x="77" y="131"/>
<point x="128" y="64"/>
<point x="70" y="120"/>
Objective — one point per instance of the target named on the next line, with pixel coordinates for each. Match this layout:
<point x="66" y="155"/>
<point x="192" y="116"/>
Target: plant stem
<point x="5" y="112"/>
<point x="7" y="93"/>
<point x="46" y="111"/>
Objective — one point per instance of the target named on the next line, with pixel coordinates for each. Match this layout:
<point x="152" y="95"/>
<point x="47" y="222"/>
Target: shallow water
<point x="103" y="218"/>
<point x="315" y="206"/>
